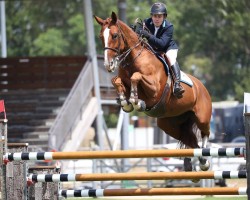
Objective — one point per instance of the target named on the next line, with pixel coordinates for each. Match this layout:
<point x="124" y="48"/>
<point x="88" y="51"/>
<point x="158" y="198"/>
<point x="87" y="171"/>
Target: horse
<point x="143" y="84"/>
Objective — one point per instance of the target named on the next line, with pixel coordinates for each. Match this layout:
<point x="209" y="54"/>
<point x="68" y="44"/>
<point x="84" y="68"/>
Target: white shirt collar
<point x="156" y="29"/>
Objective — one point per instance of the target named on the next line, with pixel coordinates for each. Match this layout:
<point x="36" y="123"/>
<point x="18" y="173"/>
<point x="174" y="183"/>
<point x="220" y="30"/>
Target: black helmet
<point x="158" y="8"/>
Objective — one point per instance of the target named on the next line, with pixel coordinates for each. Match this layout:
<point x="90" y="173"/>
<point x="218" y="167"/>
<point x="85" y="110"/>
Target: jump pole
<point x="137" y="176"/>
<point x="152" y="192"/>
<point x="216" y="152"/>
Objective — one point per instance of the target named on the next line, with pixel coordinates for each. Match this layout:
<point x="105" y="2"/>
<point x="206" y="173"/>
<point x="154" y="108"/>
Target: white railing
<point x="72" y="109"/>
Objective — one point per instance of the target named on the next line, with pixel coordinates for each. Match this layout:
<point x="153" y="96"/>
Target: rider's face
<point x="157" y="19"/>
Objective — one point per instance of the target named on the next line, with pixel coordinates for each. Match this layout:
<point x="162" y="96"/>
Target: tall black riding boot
<point x="176" y="74"/>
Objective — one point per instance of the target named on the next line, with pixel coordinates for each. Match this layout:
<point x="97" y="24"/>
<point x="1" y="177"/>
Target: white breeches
<point x="172" y="55"/>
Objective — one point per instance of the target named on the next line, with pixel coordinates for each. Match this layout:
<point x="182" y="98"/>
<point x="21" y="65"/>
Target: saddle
<point x="163" y="58"/>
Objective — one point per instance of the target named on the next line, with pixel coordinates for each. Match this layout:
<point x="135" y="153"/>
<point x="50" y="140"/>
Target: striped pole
<point x="216" y="152"/>
<point x="138" y="176"/>
<point x="152" y="191"/>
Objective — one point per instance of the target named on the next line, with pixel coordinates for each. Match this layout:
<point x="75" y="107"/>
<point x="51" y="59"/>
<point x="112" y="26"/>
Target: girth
<point x="159" y="109"/>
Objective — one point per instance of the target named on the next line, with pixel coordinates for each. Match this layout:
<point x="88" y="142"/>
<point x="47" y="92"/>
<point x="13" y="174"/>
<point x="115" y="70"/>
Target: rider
<point x="161" y="39"/>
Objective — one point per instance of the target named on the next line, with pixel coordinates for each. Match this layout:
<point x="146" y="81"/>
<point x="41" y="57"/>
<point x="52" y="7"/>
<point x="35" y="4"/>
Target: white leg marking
<point x="204" y="141"/>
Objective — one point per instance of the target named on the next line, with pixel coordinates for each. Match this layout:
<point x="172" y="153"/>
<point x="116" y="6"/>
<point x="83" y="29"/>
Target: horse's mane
<point x="127" y="30"/>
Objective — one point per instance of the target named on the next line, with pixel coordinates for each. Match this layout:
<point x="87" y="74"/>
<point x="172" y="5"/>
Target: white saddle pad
<point x="186" y="79"/>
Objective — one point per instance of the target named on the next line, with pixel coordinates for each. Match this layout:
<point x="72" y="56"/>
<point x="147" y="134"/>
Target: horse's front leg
<point x="120" y="89"/>
<point x="147" y="85"/>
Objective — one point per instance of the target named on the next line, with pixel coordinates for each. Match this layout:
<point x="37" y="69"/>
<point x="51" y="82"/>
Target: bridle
<point x="113" y="49"/>
<point x="120" y="57"/>
<point x="119" y="35"/>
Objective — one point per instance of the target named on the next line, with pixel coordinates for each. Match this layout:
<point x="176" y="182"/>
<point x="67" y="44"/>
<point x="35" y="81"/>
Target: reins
<point x="123" y="56"/>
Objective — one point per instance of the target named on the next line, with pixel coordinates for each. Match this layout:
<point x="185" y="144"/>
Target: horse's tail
<point x="189" y="132"/>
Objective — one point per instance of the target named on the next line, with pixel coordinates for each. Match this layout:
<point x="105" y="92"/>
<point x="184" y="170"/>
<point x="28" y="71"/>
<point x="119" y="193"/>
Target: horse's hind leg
<point x="205" y="132"/>
<point x="203" y="112"/>
<point x="204" y="163"/>
<point x="180" y="128"/>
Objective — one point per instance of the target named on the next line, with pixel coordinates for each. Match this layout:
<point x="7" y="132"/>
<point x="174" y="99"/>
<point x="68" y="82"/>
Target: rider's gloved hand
<point x="143" y="33"/>
<point x="133" y="27"/>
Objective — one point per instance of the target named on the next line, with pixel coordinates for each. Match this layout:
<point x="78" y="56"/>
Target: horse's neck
<point x="129" y="35"/>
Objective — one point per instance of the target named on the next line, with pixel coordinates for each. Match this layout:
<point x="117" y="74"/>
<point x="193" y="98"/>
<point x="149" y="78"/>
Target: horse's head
<point x="113" y="40"/>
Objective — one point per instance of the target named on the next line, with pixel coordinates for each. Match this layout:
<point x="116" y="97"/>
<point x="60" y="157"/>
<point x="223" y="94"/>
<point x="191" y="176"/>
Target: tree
<point x="217" y="30"/>
<point x="214" y="36"/>
<point x="49" y="43"/>
<point x="75" y="35"/>
<point x="26" y="20"/>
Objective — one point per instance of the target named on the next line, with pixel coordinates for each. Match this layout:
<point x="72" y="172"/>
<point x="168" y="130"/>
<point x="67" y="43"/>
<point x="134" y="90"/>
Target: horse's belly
<point x="176" y="107"/>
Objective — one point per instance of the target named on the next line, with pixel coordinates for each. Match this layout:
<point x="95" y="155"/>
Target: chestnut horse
<point x="144" y="85"/>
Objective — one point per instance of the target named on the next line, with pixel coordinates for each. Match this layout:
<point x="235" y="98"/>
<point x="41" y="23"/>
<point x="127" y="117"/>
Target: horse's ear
<point x="114" y="17"/>
<point x="99" y="20"/>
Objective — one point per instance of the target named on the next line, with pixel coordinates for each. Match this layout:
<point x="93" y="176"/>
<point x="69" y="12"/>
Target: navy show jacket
<point x="163" y="41"/>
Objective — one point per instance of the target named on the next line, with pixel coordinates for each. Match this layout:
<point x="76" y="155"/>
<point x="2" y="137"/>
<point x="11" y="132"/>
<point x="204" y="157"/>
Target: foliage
<point x="201" y="67"/>
<point x="75" y="35"/>
<point x="217" y="30"/>
<point x="26" y="22"/>
<point x="213" y="36"/>
<point x="49" y="43"/>
<point x="242" y="84"/>
<point x="111" y="120"/>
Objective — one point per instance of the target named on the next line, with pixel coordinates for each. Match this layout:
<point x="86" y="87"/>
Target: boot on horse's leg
<point x="176" y="74"/>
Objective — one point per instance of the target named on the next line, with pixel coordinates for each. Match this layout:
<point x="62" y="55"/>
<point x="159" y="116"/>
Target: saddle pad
<point x="186" y="79"/>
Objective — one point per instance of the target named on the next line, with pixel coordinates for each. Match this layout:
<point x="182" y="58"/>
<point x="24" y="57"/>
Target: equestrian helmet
<point x="158" y="8"/>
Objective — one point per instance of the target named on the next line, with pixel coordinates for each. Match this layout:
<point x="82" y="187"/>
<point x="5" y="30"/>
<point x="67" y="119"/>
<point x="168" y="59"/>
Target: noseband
<point x="113" y="49"/>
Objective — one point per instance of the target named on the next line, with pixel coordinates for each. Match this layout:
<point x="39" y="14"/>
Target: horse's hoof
<point x="138" y="105"/>
<point x="126" y="105"/>
<point x="128" y="108"/>
<point x="206" y="166"/>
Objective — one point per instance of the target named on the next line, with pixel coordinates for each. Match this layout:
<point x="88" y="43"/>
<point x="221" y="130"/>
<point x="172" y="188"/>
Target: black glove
<point x="143" y="33"/>
<point x="138" y="30"/>
<point x="133" y="27"/>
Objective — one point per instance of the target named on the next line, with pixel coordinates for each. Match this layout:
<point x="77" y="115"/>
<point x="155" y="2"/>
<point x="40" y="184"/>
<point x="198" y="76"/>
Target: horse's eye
<point x="115" y="36"/>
